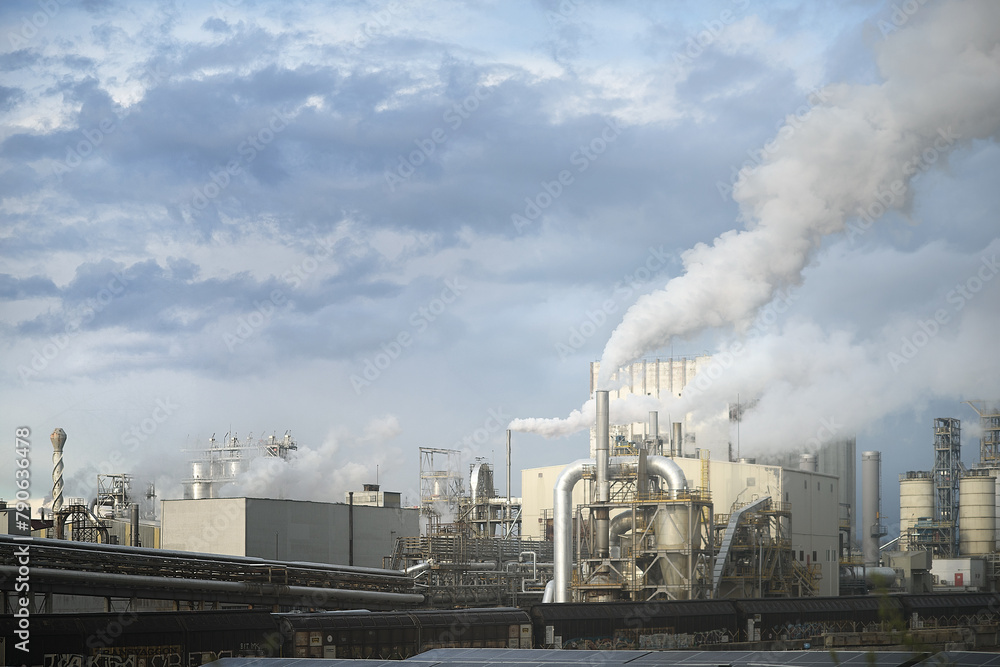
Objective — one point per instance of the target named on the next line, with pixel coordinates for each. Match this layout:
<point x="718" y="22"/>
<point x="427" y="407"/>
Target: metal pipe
<point x="549" y="592"/>
<point x="562" y="507"/>
<point x="419" y="567"/>
<point x="620" y="525"/>
<point x="668" y="471"/>
<point x="194" y="557"/>
<point x="677" y="441"/>
<point x="654" y="428"/>
<point x="562" y="525"/>
<point x="871" y="464"/>
<point x="350" y="528"/>
<point x="603" y="445"/>
<point x="135" y="524"/>
<point x="311" y="594"/>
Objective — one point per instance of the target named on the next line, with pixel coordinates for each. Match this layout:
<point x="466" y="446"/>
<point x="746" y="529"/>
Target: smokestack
<point x="677" y="441"/>
<point x="58" y="439"/>
<point x="654" y="431"/>
<point x="872" y="530"/>
<point x="808" y="462"/>
<point x="135" y="524"/>
<point x="602" y="526"/>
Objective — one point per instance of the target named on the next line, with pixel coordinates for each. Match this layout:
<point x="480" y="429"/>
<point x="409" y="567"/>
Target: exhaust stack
<point x="677" y="442"/>
<point x="601" y="523"/>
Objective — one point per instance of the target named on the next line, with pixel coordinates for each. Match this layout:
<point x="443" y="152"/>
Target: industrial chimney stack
<point x="58" y="441"/>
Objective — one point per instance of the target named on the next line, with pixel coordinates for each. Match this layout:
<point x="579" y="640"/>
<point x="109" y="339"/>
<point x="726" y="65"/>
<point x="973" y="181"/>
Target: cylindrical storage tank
<point x="808" y="462"/>
<point x="234" y="467"/>
<point x="976" y="513"/>
<point x="201" y="469"/>
<point x="672" y="527"/>
<point x="916" y="501"/>
<point x="871" y="470"/>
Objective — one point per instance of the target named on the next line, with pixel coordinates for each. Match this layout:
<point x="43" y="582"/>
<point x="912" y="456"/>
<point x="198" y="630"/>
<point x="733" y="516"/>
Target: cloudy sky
<point x="388" y="225"/>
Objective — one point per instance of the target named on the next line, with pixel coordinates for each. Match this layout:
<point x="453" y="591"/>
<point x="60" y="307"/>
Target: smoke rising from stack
<point x="940" y="87"/>
<point x="322" y="473"/>
<point x="854" y="157"/>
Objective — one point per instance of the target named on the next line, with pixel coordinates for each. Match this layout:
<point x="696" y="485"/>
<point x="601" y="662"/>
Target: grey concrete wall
<point x="285" y="529"/>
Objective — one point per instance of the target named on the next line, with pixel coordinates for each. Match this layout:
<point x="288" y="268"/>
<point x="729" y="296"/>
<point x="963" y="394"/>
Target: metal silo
<point x="977" y="513"/>
<point x="916" y="501"/>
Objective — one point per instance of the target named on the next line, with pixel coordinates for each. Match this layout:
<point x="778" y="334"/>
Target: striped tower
<point x="58" y="440"/>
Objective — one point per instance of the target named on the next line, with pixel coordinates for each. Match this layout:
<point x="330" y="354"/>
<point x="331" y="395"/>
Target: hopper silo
<point x="977" y="513"/>
<point x="916" y="501"/>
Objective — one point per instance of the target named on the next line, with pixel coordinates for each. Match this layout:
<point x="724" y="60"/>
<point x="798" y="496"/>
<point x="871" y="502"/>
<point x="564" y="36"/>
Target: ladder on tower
<point x="727" y="539"/>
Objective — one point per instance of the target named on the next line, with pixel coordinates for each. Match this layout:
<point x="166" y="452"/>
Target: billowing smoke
<point x="631" y="408"/>
<point x="856" y="154"/>
<point x="840" y="170"/>
<point x="322" y="473"/>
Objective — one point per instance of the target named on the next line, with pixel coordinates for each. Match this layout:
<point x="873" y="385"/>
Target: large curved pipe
<point x="668" y="471"/>
<point x="620" y="525"/>
<point x="562" y="506"/>
<point x="562" y="509"/>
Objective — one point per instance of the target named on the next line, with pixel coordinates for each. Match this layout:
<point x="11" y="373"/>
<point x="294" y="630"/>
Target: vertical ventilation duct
<point x="872" y="528"/>
<point x="677" y="441"/>
<point x="602" y="526"/>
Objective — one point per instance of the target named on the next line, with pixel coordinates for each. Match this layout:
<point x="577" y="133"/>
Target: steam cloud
<point x="851" y="160"/>
<point x="855" y="153"/>
<point x="322" y="473"/>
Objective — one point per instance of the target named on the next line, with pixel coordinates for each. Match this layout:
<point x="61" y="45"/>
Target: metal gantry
<point x="989" y="442"/>
<point x="947" y="471"/>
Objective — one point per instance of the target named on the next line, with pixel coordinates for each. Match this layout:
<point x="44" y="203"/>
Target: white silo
<point x="916" y="501"/>
<point x="977" y="513"/>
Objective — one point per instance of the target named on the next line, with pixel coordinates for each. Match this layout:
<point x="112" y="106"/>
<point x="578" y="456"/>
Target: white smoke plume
<point x="322" y="473"/>
<point x="840" y="170"/>
<point x="631" y="408"/>
<point x="856" y="152"/>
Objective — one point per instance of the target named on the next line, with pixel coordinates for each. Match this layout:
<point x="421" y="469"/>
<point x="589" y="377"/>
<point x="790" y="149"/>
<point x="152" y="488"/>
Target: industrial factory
<point x="648" y="523"/>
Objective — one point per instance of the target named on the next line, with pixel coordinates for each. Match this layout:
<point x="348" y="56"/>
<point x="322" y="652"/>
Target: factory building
<point x="650" y="377"/>
<point x="953" y="512"/>
<point x="631" y="523"/>
<point x="288" y="530"/>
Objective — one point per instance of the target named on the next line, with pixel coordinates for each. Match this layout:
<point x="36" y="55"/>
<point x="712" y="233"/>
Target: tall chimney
<point x="677" y="442"/>
<point x="654" y="431"/>
<point x="871" y="521"/>
<point x="602" y="526"/>
<point x="58" y="439"/>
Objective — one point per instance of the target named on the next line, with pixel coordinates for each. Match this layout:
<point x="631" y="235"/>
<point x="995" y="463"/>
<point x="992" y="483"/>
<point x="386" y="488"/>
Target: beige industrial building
<point x="651" y="377"/>
<point x="811" y="500"/>
<point x="291" y="530"/>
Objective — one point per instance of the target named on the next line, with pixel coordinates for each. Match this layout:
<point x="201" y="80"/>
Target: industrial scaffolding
<point x="441" y="488"/>
<point x="759" y="561"/>
<point x="458" y="570"/>
<point x="946" y="472"/>
<point x="665" y="546"/>
<point x="989" y="442"/>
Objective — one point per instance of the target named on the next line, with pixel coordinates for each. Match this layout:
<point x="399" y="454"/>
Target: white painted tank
<point x="201" y="469"/>
<point x="977" y="514"/>
<point x="916" y="501"/>
<point x="671" y="528"/>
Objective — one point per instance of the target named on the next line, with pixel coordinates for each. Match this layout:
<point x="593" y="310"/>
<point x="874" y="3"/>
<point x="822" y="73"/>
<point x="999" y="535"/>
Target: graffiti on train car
<point x="120" y="656"/>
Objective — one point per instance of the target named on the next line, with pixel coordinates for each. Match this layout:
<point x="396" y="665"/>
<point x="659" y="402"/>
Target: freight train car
<point x="632" y="625"/>
<point x="399" y="635"/>
<point x="174" y="639"/>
